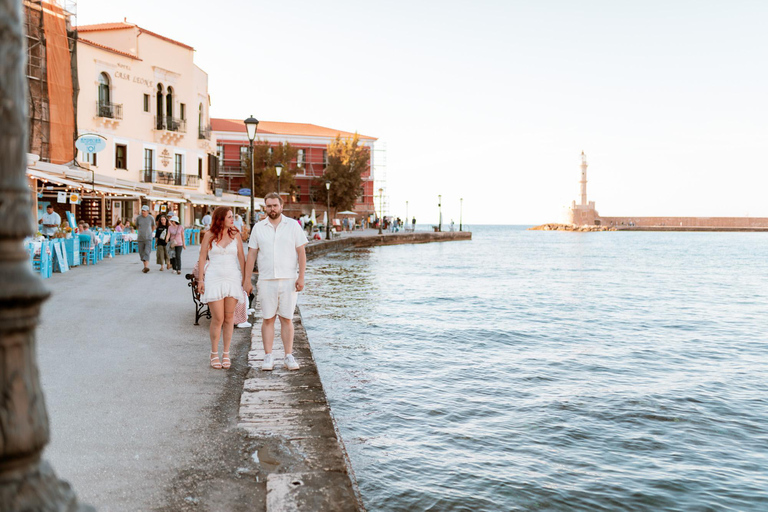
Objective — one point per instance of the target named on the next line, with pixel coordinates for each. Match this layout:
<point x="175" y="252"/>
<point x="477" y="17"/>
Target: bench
<point x="201" y="310"/>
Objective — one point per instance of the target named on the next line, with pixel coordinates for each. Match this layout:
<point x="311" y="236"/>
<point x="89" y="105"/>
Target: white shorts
<point x="278" y="296"/>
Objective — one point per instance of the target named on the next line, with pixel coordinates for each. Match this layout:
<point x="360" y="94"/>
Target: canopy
<point x="347" y="212"/>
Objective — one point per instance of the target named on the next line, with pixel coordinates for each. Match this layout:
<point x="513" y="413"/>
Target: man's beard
<point x="273" y="214"/>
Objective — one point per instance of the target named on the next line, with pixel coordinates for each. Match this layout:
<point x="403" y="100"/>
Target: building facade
<point x="143" y="94"/>
<point x="308" y="167"/>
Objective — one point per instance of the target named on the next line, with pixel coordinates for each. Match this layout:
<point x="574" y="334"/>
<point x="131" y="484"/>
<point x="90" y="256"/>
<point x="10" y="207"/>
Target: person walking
<point x="220" y="283"/>
<point x="175" y="239"/>
<point x="145" y="225"/>
<point x="50" y="221"/>
<point x="279" y="244"/>
<point x="161" y="233"/>
<point x="207" y="221"/>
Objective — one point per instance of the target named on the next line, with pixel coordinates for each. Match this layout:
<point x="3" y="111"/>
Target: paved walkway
<point x="139" y="420"/>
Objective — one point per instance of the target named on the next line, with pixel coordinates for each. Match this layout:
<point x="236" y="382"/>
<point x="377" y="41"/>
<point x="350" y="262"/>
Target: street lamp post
<point x="250" y="127"/>
<point x="440" y="209"/>
<point x="381" y="209"/>
<point x="461" y="211"/>
<point x="328" y="224"/>
<point x="278" y="170"/>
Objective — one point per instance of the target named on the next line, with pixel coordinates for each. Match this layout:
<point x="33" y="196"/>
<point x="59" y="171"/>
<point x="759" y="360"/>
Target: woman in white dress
<point x="220" y="283"/>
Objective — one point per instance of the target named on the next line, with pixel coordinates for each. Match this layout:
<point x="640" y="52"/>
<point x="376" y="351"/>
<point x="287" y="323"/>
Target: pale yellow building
<point x="143" y="93"/>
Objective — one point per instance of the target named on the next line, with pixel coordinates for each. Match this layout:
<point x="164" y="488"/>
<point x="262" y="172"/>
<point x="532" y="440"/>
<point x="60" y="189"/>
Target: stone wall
<point x="339" y="244"/>
<point x="685" y="222"/>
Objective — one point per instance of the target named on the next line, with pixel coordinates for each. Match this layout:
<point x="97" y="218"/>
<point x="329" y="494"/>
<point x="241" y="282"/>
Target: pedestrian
<point x="161" y="233"/>
<point x="220" y="283"/>
<point x="50" y="221"/>
<point x="207" y="221"/>
<point x="145" y="225"/>
<point x="413" y="224"/>
<point x="239" y="222"/>
<point x="119" y="226"/>
<point x="279" y="245"/>
<point x="175" y="239"/>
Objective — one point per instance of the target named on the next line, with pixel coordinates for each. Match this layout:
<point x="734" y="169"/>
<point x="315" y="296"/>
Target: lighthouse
<point x="584" y="213"/>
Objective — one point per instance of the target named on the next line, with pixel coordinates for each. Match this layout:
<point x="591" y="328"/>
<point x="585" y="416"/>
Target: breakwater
<point x="288" y="415"/>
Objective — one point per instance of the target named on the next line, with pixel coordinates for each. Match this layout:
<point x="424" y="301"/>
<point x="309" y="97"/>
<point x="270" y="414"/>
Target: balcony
<point x="204" y="133"/>
<point x="169" y="178"/>
<point x="109" y="110"/>
<point x="169" y="130"/>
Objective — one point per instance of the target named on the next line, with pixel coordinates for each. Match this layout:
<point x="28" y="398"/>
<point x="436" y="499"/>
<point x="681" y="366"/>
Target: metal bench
<point x="201" y="310"/>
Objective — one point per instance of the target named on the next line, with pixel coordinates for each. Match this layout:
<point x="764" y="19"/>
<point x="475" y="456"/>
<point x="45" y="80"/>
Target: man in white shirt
<point x="279" y="244"/>
<point x="50" y="221"/>
<point x="207" y="220"/>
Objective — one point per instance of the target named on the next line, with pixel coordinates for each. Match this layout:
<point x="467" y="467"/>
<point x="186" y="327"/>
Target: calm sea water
<point x="529" y="370"/>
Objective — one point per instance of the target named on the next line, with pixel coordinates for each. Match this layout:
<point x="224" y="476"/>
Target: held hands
<point x="248" y="287"/>
<point x="300" y="284"/>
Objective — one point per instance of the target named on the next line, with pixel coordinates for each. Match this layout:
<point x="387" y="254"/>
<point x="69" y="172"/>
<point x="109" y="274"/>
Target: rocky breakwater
<point x="570" y="227"/>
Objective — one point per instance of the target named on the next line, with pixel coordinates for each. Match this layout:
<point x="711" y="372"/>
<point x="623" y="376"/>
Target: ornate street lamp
<point x="440" y="209"/>
<point x="278" y="170"/>
<point x="250" y="126"/>
<point x="461" y="211"/>
<point x="381" y="208"/>
<point x="328" y="224"/>
<point x="26" y="481"/>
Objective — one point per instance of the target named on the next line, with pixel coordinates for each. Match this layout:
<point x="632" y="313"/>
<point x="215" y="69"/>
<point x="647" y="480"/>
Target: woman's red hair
<point x="217" y="225"/>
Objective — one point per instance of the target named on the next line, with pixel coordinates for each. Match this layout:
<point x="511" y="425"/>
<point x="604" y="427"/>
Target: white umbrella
<point x="325" y="218"/>
<point x="313" y="217"/>
<point x="347" y="212"/>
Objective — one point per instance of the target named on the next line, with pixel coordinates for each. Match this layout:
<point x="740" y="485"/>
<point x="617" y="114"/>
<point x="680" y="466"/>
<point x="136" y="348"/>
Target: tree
<point x="265" y="157"/>
<point x="347" y="160"/>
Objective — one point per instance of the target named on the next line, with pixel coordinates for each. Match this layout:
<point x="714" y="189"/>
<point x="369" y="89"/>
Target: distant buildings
<point x="311" y="142"/>
<point x="141" y="94"/>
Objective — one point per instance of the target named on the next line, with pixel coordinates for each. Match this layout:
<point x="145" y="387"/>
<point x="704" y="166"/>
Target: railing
<point x="204" y="132"/>
<point x="109" y="110"/>
<point x="232" y="172"/>
<point x="169" y="178"/>
<point x="171" y="124"/>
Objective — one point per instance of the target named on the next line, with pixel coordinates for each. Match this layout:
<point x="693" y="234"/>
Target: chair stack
<point x="42" y="262"/>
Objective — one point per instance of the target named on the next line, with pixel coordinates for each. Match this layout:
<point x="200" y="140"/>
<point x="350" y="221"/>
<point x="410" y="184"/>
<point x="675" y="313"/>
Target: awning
<point x="210" y="200"/>
<point x="34" y="173"/>
<point x="167" y="199"/>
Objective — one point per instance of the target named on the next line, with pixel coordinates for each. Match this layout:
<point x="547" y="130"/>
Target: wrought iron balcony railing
<point x="204" y="132"/>
<point x="169" y="178"/>
<point x="109" y="110"/>
<point x="171" y="124"/>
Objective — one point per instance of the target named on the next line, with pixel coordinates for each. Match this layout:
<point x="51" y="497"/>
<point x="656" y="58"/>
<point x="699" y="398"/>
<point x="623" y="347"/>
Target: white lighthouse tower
<point x="584" y="213"/>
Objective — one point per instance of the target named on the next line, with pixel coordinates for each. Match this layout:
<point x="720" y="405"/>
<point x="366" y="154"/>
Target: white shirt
<point x="52" y="218"/>
<point x="277" y="257"/>
<point x="206" y="220"/>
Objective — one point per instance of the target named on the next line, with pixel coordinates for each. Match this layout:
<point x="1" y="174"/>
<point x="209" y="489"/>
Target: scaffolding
<point x="379" y="168"/>
<point x="35" y="13"/>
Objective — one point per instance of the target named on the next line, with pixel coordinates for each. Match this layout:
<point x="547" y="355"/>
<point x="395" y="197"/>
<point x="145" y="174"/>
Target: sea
<point x="534" y="370"/>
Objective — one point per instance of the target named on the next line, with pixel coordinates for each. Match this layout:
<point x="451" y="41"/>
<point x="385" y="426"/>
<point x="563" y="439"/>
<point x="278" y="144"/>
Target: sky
<point x="493" y="102"/>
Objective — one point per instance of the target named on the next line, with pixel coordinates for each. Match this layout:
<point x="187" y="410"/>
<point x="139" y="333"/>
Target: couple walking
<point x="278" y="242"/>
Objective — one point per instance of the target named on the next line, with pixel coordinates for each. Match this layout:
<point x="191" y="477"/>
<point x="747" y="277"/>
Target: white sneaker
<point x="290" y="362"/>
<point x="243" y="325"/>
<point x="250" y="311"/>
<point x="269" y="362"/>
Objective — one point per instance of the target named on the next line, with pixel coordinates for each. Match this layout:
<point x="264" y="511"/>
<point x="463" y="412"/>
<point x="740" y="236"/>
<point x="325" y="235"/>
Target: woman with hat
<point x="175" y="239"/>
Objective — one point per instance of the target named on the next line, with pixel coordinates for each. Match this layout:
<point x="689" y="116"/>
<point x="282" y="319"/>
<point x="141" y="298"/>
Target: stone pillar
<point x="26" y="482"/>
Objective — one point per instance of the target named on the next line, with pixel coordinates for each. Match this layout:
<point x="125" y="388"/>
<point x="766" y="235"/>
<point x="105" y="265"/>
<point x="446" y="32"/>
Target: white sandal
<point x="215" y="360"/>
<point x="225" y="362"/>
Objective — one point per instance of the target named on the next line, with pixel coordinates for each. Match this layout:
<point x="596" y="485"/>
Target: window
<point x="183" y="111"/>
<point x="178" y="164"/>
<point x="300" y="158"/>
<point x="104" y="96"/>
<point x="200" y="168"/>
<point x="169" y="104"/>
<point x="160" y="121"/>
<point x="89" y="158"/>
<point x="325" y="158"/>
<point x="220" y="155"/>
<point x="243" y="156"/>
<point x="121" y="156"/>
<point x="146" y="103"/>
<point x="149" y="159"/>
<point x="297" y="195"/>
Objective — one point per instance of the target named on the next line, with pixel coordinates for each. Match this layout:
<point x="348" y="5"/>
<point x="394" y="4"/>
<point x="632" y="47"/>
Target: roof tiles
<point x="282" y="128"/>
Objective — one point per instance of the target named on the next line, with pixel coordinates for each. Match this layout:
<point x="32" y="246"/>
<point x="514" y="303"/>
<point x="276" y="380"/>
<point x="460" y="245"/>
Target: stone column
<point x="26" y="482"/>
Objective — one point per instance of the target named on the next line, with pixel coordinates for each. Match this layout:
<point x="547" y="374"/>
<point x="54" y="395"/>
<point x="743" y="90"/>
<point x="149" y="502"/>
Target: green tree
<point x="265" y="157"/>
<point x="347" y="160"/>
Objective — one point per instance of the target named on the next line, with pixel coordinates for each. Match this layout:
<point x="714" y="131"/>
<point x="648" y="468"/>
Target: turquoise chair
<point x="99" y="247"/>
<point x="46" y="264"/>
<point x="187" y="233"/>
<point x="88" y="250"/>
<point x="72" y="246"/>
<point x="110" y="247"/>
<point x="134" y="246"/>
<point x="32" y="260"/>
<point x="56" y="263"/>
